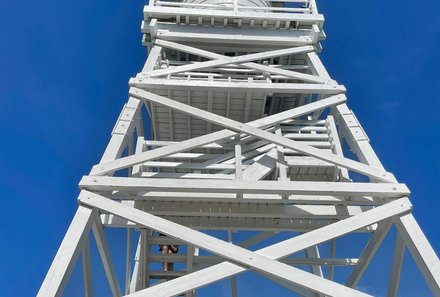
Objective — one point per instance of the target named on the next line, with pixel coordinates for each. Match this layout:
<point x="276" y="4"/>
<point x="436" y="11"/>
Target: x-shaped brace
<point x="375" y="173"/>
<point x="220" y="60"/>
<point x="105" y="168"/>
<point x="264" y="260"/>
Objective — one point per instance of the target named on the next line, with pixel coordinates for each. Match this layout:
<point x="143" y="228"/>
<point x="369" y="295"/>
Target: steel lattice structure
<point x="248" y="134"/>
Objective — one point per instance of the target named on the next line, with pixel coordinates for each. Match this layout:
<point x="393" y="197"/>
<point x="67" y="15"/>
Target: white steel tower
<point x="248" y="135"/>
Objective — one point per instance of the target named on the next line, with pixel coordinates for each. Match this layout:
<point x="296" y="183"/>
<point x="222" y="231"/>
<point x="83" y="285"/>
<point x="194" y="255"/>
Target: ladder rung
<point x="166" y="274"/>
<point x="167" y="258"/>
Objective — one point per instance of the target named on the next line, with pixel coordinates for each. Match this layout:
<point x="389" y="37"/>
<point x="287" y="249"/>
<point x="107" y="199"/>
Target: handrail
<point x="309" y="6"/>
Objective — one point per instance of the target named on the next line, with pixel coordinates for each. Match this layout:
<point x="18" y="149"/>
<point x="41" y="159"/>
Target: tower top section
<point x="238" y="23"/>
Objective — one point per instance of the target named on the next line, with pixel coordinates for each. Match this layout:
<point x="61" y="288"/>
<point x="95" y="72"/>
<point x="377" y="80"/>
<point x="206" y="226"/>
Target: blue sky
<point x="64" y="68"/>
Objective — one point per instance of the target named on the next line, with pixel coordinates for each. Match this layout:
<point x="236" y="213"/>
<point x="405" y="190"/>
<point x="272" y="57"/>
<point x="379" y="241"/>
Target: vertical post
<point x="313" y="252"/>
<point x="87" y="273"/>
<point x="136" y="277"/>
<point x="196" y="254"/>
<point x="145" y="251"/>
<point x="104" y="252"/>
<point x="396" y="267"/>
<point x="333" y="133"/>
<point x="130" y="151"/>
<point x="281" y="164"/>
<point x="142" y="258"/>
<point x="128" y="262"/>
<point x="331" y="269"/>
<point x="238" y="162"/>
<point x="313" y="7"/>
<point x="282" y="167"/>
<point x="367" y="254"/>
<point x="190" y="265"/>
<point x="233" y="278"/>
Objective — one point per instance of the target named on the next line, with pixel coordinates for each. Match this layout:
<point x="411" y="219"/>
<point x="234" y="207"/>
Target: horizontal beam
<point x="182" y="165"/>
<point x="149" y="11"/>
<point x="203" y="261"/>
<point x="225" y="223"/>
<point x="264" y="87"/>
<point x="240" y="209"/>
<point x="250" y="198"/>
<point x="187" y="175"/>
<point x="130" y="184"/>
<point x="245" y="37"/>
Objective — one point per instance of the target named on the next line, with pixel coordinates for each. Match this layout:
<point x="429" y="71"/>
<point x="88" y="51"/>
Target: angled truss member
<point x="248" y="135"/>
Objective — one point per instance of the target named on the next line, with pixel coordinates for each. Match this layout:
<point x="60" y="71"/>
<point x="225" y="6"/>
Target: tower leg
<point x="396" y="268"/>
<point x="65" y="259"/>
<point x="421" y="250"/>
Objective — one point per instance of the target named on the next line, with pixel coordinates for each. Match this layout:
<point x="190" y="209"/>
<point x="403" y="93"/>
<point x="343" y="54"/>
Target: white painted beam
<point x="356" y="137"/>
<point x="136" y="275"/>
<point x="259" y="169"/>
<point x="104" y="183"/>
<point x="251" y="198"/>
<point x="128" y="261"/>
<point x="87" y="272"/>
<point x="331" y="269"/>
<point x="249" y="224"/>
<point x="104" y="252"/>
<point x="282" y="88"/>
<point x="65" y="259"/>
<point x="396" y="266"/>
<point x="186" y="175"/>
<point x="422" y="252"/>
<point x="205" y="261"/>
<point x="123" y="127"/>
<point x="150" y="11"/>
<point x="368" y="254"/>
<point x="194" y="166"/>
<point x="243" y="37"/>
<point x="240" y="208"/>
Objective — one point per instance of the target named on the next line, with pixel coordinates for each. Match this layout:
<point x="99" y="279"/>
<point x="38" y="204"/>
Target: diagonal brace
<point x="279" y="271"/>
<point x="251" y="65"/>
<point x="111" y="166"/>
<point x="261" y="260"/>
<point x="230" y="60"/>
<point x="280" y="250"/>
<point x="247" y="129"/>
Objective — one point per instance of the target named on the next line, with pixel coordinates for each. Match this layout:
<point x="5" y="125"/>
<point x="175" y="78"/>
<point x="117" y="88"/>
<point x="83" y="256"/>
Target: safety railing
<point x="273" y="6"/>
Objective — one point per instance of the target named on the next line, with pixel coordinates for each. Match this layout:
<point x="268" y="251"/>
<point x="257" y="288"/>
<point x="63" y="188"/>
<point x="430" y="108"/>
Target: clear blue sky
<point x="64" y="68"/>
